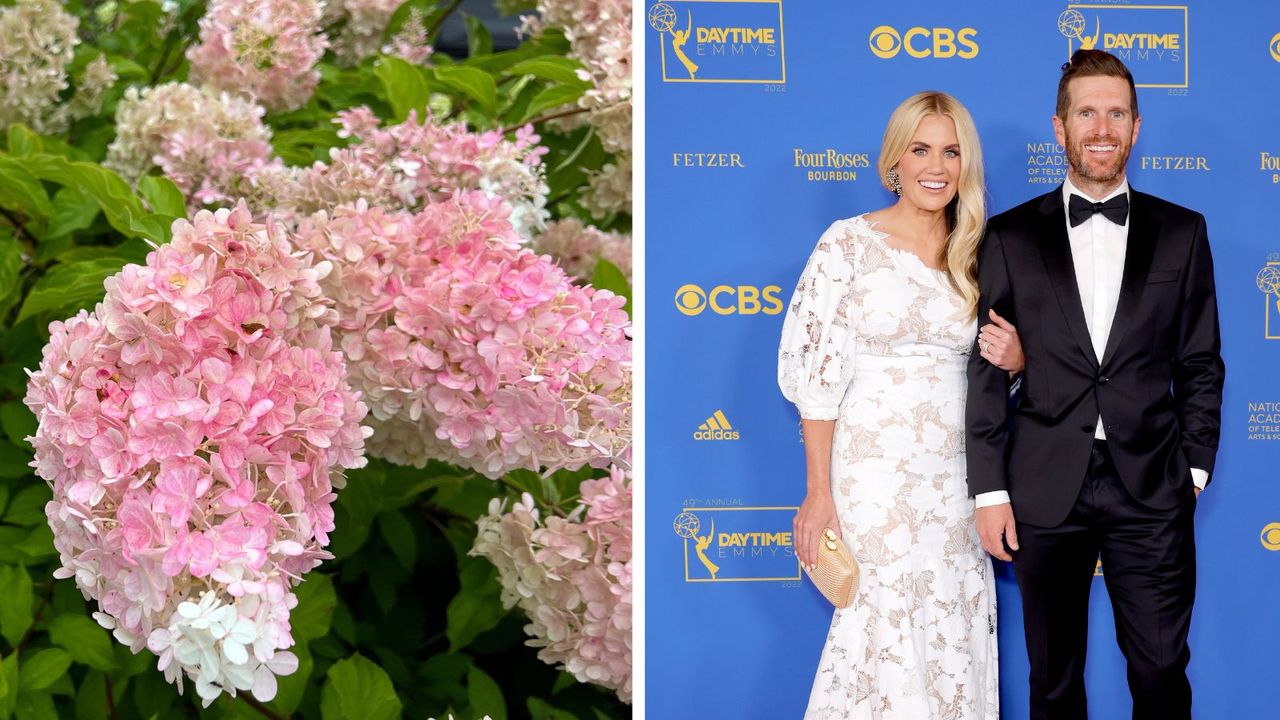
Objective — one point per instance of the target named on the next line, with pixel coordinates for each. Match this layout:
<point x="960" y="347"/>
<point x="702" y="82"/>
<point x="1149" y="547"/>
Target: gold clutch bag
<point x="836" y="573"/>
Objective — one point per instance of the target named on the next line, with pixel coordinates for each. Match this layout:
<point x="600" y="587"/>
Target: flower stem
<point x="19" y="227"/>
<point x="111" y="700"/>
<point x="545" y="118"/>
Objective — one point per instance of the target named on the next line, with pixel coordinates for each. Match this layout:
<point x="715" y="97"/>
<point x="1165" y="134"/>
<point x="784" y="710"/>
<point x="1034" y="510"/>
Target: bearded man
<point x="1114" y="431"/>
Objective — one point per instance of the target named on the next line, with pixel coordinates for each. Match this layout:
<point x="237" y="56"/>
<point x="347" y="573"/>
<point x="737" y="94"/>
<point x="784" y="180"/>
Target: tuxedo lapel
<point x="1055" y="246"/>
<point x="1137" y="262"/>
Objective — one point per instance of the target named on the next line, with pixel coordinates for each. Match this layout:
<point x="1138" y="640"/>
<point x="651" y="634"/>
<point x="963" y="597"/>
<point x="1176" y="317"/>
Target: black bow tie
<point x="1116" y="209"/>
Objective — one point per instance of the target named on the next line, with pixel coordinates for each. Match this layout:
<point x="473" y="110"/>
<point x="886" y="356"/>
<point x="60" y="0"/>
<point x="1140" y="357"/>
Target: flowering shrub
<point x="227" y="228"/>
<point x="188" y="427"/>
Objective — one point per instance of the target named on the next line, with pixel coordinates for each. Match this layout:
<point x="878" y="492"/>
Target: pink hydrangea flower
<point x="470" y="349"/>
<point x="192" y="428"/>
<point x="571" y="576"/>
<point x="266" y="49"/>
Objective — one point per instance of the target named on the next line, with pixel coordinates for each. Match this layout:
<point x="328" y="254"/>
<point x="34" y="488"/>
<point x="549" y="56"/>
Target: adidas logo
<point x="716" y="427"/>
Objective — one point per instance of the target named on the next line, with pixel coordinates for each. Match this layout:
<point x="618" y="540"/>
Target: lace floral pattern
<point x="876" y="340"/>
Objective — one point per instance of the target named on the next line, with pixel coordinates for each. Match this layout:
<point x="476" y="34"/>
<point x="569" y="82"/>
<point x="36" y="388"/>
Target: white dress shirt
<point x="1098" y="252"/>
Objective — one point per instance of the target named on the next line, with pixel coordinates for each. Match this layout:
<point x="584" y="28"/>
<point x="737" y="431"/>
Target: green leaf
<point x="357" y="689"/>
<point x="163" y="196"/>
<point x="400" y="537"/>
<point x="34" y="704"/>
<point x="9" y="538"/>
<point x="302" y="146"/>
<point x="607" y="276"/>
<point x="540" y="709"/>
<point x="475" y="84"/>
<point x="553" y="97"/>
<point x="18" y="422"/>
<point x="21" y="190"/>
<point x="467" y="496"/>
<point x="13" y="460"/>
<point x="68" y="288"/>
<point x="42" y="669"/>
<point x="405" y="86"/>
<point x="91" y="698"/>
<point x="9" y="685"/>
<point x="478" y="605"/>
<point x="27" y="507"/>
<point x="127" y="69"/>
<point x="10" y="264"/>
<point x="15" y="603"/>
<point x="23" y="141"/>
<point x="38" y="544"/>
<point x="153" y="696"/>
<point x="563" y="680"/>
<point x="72" y="210"/>
<point x="479" y="39"/>
<point x="316" y="603"/>
<point x="358" y="503"/>
<point x="484" y="695"/>
<point x="123" y="209"/>
<point x="84" y="639"/>
<point x="556" y="69"/>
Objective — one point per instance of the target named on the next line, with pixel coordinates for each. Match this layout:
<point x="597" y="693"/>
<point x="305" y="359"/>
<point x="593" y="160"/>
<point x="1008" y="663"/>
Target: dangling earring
<point x="895" y="183"/>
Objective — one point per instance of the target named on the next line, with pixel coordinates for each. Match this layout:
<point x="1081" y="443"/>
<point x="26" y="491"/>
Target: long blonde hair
<point x="966" y="215"/>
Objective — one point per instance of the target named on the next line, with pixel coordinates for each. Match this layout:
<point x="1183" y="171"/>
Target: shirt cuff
<point x="1199" y="477"/>
<point x="986" y="499"/>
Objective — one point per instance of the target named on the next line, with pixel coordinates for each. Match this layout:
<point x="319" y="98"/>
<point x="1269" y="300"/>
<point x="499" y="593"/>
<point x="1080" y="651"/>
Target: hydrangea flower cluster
<point x="189" y="427"/>
<point x="37" y="43"/>
<point x="470" y="349"/>
<point x="210" y="144"/>
<point x="265" y="48"/>
<point x="571" y="576"/>
<point x="578" y="247"/>
<point x="414" y="163"/>
<point x="363" y="24"/>
<point x="599" y="34"/>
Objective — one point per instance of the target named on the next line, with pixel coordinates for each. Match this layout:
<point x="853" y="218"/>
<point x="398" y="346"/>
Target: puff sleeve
<point x="815" y="357"/>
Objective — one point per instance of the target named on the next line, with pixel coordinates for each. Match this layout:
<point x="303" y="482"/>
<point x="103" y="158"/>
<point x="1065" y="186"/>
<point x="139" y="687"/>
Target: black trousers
<point x="1149" y="564"/>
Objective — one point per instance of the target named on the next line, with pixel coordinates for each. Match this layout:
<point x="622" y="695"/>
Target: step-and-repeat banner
<point x="764" y="123"/>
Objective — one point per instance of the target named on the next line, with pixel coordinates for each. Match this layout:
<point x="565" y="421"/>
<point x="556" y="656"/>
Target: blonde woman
<point x="874" y="350"/>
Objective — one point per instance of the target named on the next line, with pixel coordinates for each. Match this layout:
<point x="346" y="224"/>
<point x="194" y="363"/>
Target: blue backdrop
<point x="763" y="126"/>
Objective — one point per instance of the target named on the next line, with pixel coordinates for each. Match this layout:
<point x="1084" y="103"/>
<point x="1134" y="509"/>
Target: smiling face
<point x="1098" y="132"/>
<point x="930" y="168"/>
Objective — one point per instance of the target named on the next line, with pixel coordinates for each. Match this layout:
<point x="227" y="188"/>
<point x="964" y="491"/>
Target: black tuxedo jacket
<point x="1158" y="387"/>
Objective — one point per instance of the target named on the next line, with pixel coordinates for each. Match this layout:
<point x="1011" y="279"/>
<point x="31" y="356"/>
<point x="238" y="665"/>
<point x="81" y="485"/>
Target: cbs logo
<point x="1275" y="47"/>
<point x="1271" y="536"/>
<point x="921" y="42"/>
<point x="729" y="299"/>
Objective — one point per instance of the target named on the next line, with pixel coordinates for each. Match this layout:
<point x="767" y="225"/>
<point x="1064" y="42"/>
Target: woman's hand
<point x="816" y="512"/>
<point x="1000" y="345"/>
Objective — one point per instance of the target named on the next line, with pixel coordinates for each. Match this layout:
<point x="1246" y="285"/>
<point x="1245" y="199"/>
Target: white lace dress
<point x="873" y="339"/>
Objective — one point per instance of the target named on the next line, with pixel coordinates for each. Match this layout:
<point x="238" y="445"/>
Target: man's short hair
<point x="1093" y="63"/>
